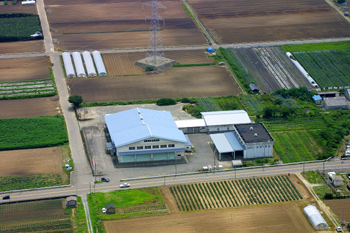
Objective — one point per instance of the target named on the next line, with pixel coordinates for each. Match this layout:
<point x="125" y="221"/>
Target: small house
<point x="110" y="208"/>
<point x="335" y="103"/>
<point x="253" y="88"/>
<point x="317" y="99"/>
<point x="337" y="181"/>
<point x="71" y="201"/>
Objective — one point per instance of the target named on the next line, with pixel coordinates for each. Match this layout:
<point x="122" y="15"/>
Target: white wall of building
<point x="258" y="150"/>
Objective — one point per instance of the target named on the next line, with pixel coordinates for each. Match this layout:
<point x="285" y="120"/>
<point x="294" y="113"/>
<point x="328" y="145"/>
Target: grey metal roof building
<point x="68" y="65"/>
<point x="335" y="103"/>
<point x="101" y="69"/>
<point x="89" y="64"/>
<point x="79" y="67"/>
<point x="315" y="218"/>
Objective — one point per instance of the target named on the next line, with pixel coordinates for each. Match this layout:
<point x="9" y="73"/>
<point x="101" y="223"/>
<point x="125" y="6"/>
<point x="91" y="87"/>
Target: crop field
<point x="21" y="69"/>
<point x="25" y="89"/>
<point x="22" y="46"/>
<point x="233" y="193"/>
<point x="330" y="69"/>
<point x="34" y="107"/>
<point x="228" y="103"/>
<point x="174" y="83"/>
<point x="18" y="8"/>
<point x="25" y="133"/>
<point x="269" y="68"/>
<point x="269" y="20"/>
<point x="37" y="216"/>
<point x="117" y="24"/>
<point x="208" y="104"/>
<point x="337" y="206"/>
<point x="16" y="27"/>
<point x="252" y="104"/>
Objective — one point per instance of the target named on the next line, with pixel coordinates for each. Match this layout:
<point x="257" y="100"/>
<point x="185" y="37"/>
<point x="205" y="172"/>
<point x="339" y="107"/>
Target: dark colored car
<point x="105" y="179"/>
<point x="348" y="175"/>
<point x="6" y="197"/>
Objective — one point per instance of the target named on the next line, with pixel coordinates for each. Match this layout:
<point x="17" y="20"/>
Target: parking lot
<point x="106" y="165"/>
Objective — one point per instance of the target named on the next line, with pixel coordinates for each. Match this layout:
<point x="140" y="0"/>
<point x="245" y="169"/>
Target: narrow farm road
<point x="87" y="213"/>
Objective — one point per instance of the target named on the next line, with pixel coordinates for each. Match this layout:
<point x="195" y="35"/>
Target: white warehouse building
<point x="143" y="135"/>
<point x="101" y="69"/>
<point x="89" y="64"/>
<point x="79" y="67"/>
<point x="68" y="65"/>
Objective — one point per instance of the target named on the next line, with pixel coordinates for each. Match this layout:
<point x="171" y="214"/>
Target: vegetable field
<point x="233" y="193"/>
<point x="16" y="27"/>
<point x="24" y="133"/>
<point x="252" y="104"/>
<point x="36" y="216"/>
<point x="208" y="104"/>
<point x="36" y="88"/>
<point x="330" y="69"/>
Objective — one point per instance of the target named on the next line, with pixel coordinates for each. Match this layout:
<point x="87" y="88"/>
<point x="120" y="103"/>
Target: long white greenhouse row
<point x="79" y="65"/>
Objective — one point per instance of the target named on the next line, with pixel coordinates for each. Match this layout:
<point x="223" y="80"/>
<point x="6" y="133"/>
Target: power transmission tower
<point x="155" y="44"/>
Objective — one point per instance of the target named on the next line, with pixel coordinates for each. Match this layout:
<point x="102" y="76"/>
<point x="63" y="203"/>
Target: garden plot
<point x="234" y="193"/>
<point x="28" y="89"/>
<point x="330" y="69"/>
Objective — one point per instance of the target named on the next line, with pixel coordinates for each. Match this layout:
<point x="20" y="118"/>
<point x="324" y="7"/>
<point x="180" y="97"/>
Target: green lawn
<point x="316" y="46"/>
<point x="313" y="177"/>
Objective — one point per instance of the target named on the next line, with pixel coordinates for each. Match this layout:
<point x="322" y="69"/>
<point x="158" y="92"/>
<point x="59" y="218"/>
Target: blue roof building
<point x="317" y="99"/>
<point x="210" y="50"/>
<point x="143" y="135"/>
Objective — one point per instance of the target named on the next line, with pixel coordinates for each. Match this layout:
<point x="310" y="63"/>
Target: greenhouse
<point x="89" y="64"/>
<point x="68" y="66"/>
<point x="315" y="218"/>
<point x="99" y="63"/>
<point x="79" y="67"/>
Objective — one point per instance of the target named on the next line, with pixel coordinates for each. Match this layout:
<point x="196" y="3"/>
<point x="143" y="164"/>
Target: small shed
<point x="253" y="87"/>
<point x="210" y="50"/>
<point x="337" y="181"/>
<point x="315" y="218"/>
<point x="110" y="208"/>
<point x="336" y="103"/>
<point x="317" y="99"/>
<point x="237" y="163"/>
<point x="71" y="201"/>
<point x="101" y="69"/>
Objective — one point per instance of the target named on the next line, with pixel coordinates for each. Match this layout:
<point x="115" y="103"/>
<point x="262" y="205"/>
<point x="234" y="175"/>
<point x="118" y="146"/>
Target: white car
<point x="338" y="229"/>
<point x="124" y="185"/>
<point x="104" y="210"/>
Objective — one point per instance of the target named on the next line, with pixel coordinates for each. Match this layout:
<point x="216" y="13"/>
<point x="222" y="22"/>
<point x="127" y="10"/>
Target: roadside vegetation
<point x="38" y="132"/>
<point x="30" y="181"/>
<point x="320" y="187"/>
<point x="129" y="203"/>
<point x="316" y="47"/>
<point x="18" y="27"/>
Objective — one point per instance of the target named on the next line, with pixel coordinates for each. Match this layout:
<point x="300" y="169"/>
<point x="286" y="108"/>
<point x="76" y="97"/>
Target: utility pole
<point x="22" y="177"/>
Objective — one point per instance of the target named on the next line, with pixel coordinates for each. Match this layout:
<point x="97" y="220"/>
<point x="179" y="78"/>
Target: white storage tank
<point x="89" y="64"/>
<point x="79" y="67"/>
<point x="68" y="65"/>
<point x="99" y="63"/>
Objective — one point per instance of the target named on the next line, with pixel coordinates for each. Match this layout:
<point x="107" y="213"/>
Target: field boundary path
<point x="87" y="213"/>
<point x="319" y="201"/>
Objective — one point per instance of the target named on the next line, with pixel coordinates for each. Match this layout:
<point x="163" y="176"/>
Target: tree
<point x="76" y="100"/>
<point x="165" y="101"/>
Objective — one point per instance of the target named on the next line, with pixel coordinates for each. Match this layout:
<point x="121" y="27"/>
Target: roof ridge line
<point x="149" y="130"/>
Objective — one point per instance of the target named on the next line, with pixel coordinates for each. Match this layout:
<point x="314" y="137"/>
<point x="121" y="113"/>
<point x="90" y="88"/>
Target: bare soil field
<point x="176" y="82"/>
<point x="117" y="25"/>
<point x="124" y="63"/>
<point x="23" y="108"/>
<point x="20" y="69"/>
<point x="237" y="21"/>
<point x="22" y="47"/>
<point x="31" y="161"/>
<point x="337" y="207"/>
<point x="288" y="217"/>
<point x="18" y="8"/>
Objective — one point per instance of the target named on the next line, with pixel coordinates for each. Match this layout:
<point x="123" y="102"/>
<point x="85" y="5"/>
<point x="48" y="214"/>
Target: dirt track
<point x="35" y="107"/>
<point x="31" y="161"/>
<point x="286" y="218"/>
<point x="20" y="69"/>
<point x="174" y="83"/>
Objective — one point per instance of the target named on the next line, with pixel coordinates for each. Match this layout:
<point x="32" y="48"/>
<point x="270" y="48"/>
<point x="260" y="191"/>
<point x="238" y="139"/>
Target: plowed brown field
<point x="18" y="8"/>
<point x="174" y="83"/>
<point x="337" y="206"/>
<point x="31" y="162"/>
<point x="22" y="47"/>
<point x="23" y="108"/>
<point x="117" y="24"/>
<point x="20" y="69"/>
<point x="124" y="63"/>
<point x="236" y="21"/>
<point x="286" y="218"/>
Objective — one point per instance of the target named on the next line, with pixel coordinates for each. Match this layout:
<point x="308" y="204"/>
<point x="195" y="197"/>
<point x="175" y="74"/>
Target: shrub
<point x="165" y="102"/>
<point x="185" y="100"/>
<point x="328" y="196"/>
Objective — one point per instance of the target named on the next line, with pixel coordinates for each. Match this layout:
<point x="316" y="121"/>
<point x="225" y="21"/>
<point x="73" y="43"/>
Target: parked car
<point x="124" y="185"/>
<point x="348" y="175"/>
<point x="6" y="197"/>
<point x="105" y="179"/>
<point x="338" y="229"/>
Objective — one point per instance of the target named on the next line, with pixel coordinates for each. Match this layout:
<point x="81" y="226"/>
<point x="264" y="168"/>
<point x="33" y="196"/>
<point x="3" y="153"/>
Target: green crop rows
<point x="37" y="88"/>
<point x="15" y="27"/>
<point x="208" y="104"/>
<point x="24" y="133"/>
<point x="330" y="69"/>
<point x="37" y="216"/>
<point x="252" y="104"/>
<point x="295" y="146"/>
<point x="233" y="193"/>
